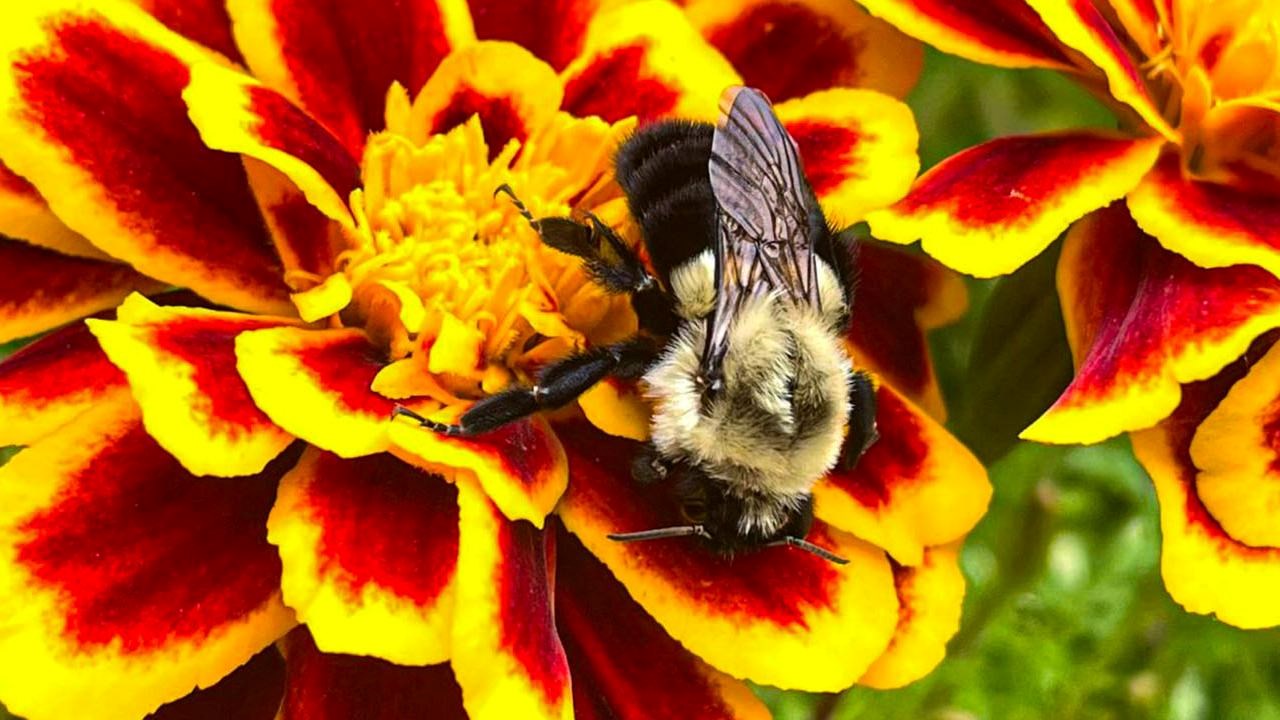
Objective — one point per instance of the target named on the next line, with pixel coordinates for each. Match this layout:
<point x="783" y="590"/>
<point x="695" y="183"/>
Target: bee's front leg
<point x="611" y="263"/>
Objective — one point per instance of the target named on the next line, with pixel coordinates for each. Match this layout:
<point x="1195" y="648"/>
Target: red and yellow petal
<point x="252" y="692"/>
<point x="325" y="686"/>
<point x="521" y="466"/>
<point x="370" y="550"/>
<point x="307" y="240"/>
<point x="1006" y="33"/>
<point x="551" y="29"/>
<point x="1205" y="569"/>
<point x="181" y="366"/>
<point x="930" y="596"/>
<point x="316" y="385"/>
<point x="778" y="615"/>
<point x="916" y="487"/>
<point x="24" y="215"/>
<point x="618" y="408"/>
<point x="506" y="654"/>
<point x="1080" y="25"/>
<point x="899" y="297"/>
<point x="205" y="21"/>
<point x="44" y="289"/>
<point x="93" y="117"/>
<point x="51" y="381"/>
<point x="239" y="115"/>
<point x="513" y="104"/>
<point x="337" y="61"/>
<point x="846" y="138"/>
<point x="1141" y="21"/>
<point x="1235" y="449"/>
<point x="1232" y="136"/>
<point x="1142" y="321"/>
<point x="989" y="209"/>
<point x="790" y="48"/>
<point x="645" y="59"/>
<point x="125" y="581"/>
<point x="324" y="300"/>
<point x="620" y="656"/>
<point x="1212" y="225"/>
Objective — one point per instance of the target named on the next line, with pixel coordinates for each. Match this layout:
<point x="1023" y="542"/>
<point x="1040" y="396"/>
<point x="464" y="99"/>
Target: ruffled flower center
<point x="447" y="274"/>
<point x="1219" y="69"/>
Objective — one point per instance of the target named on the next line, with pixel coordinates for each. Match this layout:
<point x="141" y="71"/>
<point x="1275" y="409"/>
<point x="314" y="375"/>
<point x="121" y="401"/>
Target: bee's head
<point x="734" y="520"/>
<point x="728" y="522"/>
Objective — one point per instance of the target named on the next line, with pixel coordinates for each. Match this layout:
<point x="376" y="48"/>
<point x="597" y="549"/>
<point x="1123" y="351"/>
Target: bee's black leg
<point x="505" y="189"/>
<point x="862" y="420"/>
<point x="558" y="384"/>
<point x="609" y="261"/>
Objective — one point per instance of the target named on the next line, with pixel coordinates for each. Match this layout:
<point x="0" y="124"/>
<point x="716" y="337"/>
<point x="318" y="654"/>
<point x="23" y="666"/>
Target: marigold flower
<point x="213" y="471"/>
<point x="1163" y="289"/>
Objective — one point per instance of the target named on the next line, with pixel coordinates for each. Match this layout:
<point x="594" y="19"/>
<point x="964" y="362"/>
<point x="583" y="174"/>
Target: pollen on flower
<point x="446" y="273"/>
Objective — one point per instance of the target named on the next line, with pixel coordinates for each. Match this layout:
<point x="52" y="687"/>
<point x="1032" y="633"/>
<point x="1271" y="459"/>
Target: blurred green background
<point x="1065" y="614"/>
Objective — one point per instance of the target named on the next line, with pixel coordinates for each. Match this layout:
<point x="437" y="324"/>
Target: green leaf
<point x="1019" y="362"/>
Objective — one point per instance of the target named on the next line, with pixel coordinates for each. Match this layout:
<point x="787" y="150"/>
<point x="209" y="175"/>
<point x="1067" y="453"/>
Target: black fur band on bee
<point x="740" y="348"/>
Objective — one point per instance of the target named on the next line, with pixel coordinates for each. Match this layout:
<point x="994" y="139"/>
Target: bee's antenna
<point x="807" y="546"/>
<point x="659" y="533"/>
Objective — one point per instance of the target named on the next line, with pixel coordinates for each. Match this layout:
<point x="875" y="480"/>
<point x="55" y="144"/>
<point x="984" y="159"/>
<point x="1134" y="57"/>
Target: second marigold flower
<point x="1169" y="265"/>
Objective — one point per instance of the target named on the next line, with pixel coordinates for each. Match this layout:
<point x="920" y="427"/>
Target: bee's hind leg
<point x="608" y="260"/>
<point x="558" y="384"/>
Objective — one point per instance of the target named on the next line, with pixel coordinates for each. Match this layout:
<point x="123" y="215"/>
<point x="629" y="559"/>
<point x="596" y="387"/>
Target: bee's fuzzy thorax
<point x="777" y="425"/>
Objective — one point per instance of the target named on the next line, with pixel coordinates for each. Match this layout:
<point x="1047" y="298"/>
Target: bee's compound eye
<point x="694" y="510"/>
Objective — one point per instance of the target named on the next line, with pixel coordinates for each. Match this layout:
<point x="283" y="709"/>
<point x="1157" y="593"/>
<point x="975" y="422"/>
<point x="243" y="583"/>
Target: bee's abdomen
<point x="663" y="170"/>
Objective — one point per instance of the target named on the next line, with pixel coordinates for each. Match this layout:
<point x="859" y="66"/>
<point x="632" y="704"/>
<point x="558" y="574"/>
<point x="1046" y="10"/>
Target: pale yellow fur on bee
<point x="751" y="436"/>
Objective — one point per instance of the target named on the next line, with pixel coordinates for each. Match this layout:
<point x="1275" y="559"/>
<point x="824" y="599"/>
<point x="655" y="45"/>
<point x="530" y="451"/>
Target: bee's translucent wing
<point x="767" y="218"/>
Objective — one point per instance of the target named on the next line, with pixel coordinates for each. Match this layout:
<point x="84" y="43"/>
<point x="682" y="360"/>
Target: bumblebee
<point x="741" y="347"/>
